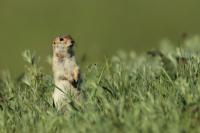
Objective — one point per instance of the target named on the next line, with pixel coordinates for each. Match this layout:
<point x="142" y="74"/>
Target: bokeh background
<point x="100" y="27"/>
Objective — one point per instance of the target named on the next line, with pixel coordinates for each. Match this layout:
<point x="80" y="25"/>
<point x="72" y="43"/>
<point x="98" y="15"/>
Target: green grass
<point x="127" y="93"/>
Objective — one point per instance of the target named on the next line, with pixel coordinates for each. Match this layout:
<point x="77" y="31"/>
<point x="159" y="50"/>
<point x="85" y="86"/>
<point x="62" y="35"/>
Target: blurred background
<point x="99" y="27"/>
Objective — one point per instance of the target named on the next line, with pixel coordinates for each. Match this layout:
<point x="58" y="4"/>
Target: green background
<point x="99" y="27"/>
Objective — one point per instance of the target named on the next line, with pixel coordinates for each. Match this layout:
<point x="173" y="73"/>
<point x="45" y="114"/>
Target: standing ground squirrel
<point x="66" y="72"/>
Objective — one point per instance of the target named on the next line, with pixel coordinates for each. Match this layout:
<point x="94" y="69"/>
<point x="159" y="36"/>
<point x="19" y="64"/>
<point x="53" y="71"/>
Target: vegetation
<point x="97" y="26"/>
<point x="158" y="91"/>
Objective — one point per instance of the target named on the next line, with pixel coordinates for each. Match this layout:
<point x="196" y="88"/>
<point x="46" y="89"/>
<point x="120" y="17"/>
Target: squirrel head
<point x="63" y="45"/>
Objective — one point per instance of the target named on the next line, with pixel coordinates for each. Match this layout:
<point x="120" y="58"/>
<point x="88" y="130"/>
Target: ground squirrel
<point x="66" y="72"/>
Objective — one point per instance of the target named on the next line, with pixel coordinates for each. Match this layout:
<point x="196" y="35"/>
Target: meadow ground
<point x="158" y="91"/>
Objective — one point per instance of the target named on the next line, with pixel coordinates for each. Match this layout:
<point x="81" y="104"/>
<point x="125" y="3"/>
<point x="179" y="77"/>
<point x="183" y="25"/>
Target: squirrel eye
<point x="54" y="43"/>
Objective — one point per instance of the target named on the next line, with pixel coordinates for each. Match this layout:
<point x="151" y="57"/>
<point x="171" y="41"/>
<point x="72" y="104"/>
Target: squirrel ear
<point x="73" y="42"/>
